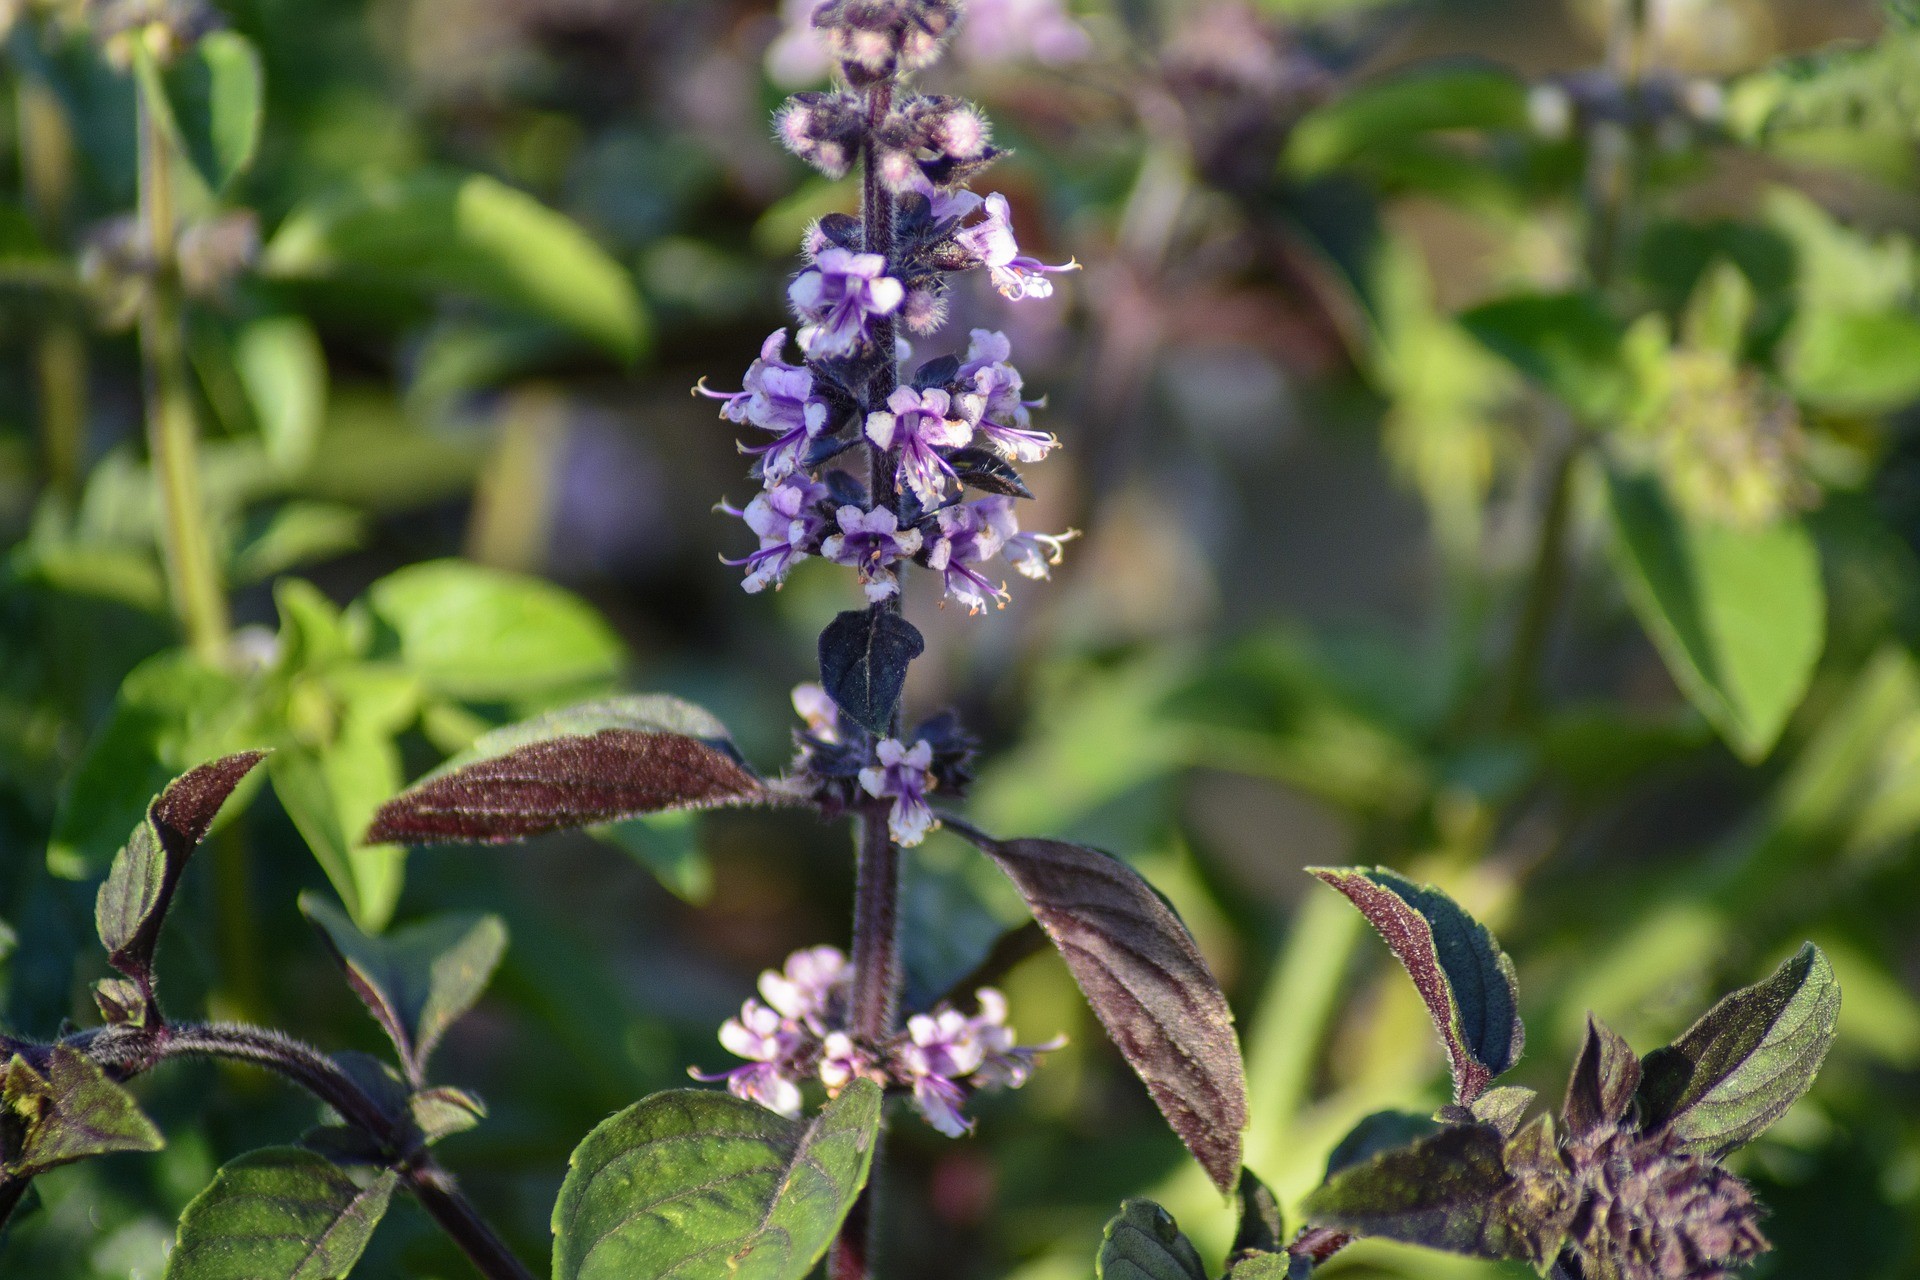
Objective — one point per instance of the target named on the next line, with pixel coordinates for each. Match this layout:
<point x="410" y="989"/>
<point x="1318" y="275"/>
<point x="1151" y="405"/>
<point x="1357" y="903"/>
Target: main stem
<point x="173" y="430"/>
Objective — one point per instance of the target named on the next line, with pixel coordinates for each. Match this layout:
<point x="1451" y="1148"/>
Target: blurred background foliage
<point x="1492" y="423"/>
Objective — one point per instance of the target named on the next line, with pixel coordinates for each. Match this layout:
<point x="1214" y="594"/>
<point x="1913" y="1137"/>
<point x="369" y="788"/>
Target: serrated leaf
<point x="133" y="901"/>
<point x="417" y="981"/>
<point x="600" y="762"/>
<point x="864" y="655"/>
<point x="72" y="1113"/>
<point x="1743" y="1064"/>
<point x="481" y="634"/>
<point x="1464" y="978"/>
<point x="471" y="235"/>
<point x="1606" y="1074"/>
<point x="285" y="1213"/>
<point x="699" y="1185"/>
<point x="1146" y="981"/>
<point x="1443" y="1192"/>
<point x="1739" y="615"/>
<point x="1143" y="1242"/>
<point x="1262" y="1227"/>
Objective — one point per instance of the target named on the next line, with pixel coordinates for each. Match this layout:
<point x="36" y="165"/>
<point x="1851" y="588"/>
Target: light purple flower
<point x="1037" y="555"/>
<point x="965" y="540"/>
<point x="839" y="295"/>
<point x="872" y="541"/>
<point x="946" y="204"/>
<point x="1001" y="418"/>
<point x="941" y="1049"/>
<point x="842" y="1062"/>
<point x="918" y="424"/>
<point x="769" y="1043"/>
<point x="1003" y="1063"/>
<point x="1014" y="275"/>
<point x="996" y="32"/>
<point x="776" y="397"/>
<point x="902" y="776"/>
<point x="816" y="706"/>
<point x="938" y="1101"/>
<point x="806" y="989"/>
<point x="789" y="524"/>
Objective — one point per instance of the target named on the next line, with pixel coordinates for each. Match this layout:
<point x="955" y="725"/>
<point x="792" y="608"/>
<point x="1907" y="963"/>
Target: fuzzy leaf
<point x="132" y="903"/>
<point x="1605" y="1075"/>
<point x="1442" y="1192"/>
<point x="1740" y="1067"/>
<point x="1147" y="982"/>
<point x="864" y="656"/>
<point x="72" y="1113"/>
<point x="1271" y="1266"/>
<point x="121" y="1002"/>
<point x="702" y="1186"/>
<point x="441" y="1113"/>
<point x="1504" y="1108"/>
<point x="417" y="981"/>
<point x="1464" y="977"/>
<point x="1262" y="1228"/>
<point x="1143" y="1242"/>
<point x="284" y="1213"/>
<point x="1381" y="1131"/>
<point x="600" y="762"/>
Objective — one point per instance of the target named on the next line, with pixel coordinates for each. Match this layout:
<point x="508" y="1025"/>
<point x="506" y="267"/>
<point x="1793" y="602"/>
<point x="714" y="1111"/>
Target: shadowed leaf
<point x="1441" y="1192"/>
<point x="989" y="472"/>
<point x="215" y="95"/>
<point x="704" y="1185"/>
<point x="601" y="762"/>
<point x="71" y="1113"/>
<point x="1740" y="1067"/>
<point x="1381" y="1131"/>
<point x="1262" y="1229"/>
<point x="1462" y="975"/>
<point x="280" y="1214"/>
<point x="441" y="1113"/>
<point x="864" y="656"/>
<point x="1605" y="1075"/>
<point x="1147" y="982"/>
<point x="1143" y="1242"/>
<point x="1504" y="1108"/>
<point x="417" y="981"/>
<point x="132" y="903"/>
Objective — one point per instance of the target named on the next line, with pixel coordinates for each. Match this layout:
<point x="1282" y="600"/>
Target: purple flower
<point x="768" y="1042"/>
<point x="839" y="295"/>
<point x="816" y="706"/>
<point x="806" y="990"/>
<point x="945" y="204"/>
<point x="1037" y="555"/>
<point x="1003" y="1063"/>
<point x="940" y="1050"/>
<point x="1000" y="417"/>
<point x="918" y="424"/>
<point x="776" y="397"/>
<point x="842" y="1062"/>
<point x="902" y="776"/>
<point x="965" y="539"/>
<point x="992" y="242"/>
<point x="871" y="541"/>
<point x="789" y="524"/>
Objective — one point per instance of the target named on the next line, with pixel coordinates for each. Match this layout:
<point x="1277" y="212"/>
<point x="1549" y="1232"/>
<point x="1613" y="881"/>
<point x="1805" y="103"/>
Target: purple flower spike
<point x="839" y="296"/>
<point x="789" y="524"/>
<point x="902" y="776"/>
<point x="992" y="242"/>
<point x="1001" y="418"/>
<point x="965" y="541"/>
<point x="776" y="397"/>
<point x="918" y="424"/>
<point x="872" y="541"/>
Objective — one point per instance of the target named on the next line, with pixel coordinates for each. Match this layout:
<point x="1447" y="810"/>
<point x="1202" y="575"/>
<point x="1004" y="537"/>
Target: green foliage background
<point x="1464" y="489"/>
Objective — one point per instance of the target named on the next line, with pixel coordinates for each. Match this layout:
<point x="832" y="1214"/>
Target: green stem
<point x="60" y="356"/>
<point x="1544" y="589"/>
<point x="173" y="429"/>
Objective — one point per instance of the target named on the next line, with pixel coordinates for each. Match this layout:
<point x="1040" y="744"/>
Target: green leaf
<point x="668" y="845"/>
<point x="1143" y="1242"/>
<point x="72" y="1113"/>
<point x="1748" y="1060"/>
<point x="469" y="235"/>
<point x="1465" y="979"/>
<point x="294" y="534"/>
<point x="486" y="635"/>
<point x="1387" y="114"/>
<point x="441" y="1113"/>
<point x="284" y="371"/>
<point x="1504" y="1107"/>
<point x="604" y="761"/>
<point x="133" y="900"/>
<point x="1739" y="615"/>
<point x="419" y="980"/>
<point x="699" y="1185"/>
<point x="211" y="102"/>
<point x="1856" y="362"/>
<point x="280" y="1214"/>
<point x="1568" y="343"/>
<point x="331" y="793"/>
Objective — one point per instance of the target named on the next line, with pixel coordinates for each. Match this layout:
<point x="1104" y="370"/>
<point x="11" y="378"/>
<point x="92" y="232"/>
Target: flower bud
<point x="879" y="37"/>
<point x="822" y="129"/>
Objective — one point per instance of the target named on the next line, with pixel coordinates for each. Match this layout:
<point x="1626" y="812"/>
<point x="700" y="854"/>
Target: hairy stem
<point x="876" y="929"/>
<point x="173" y="429"/>
<point x="449" y="1207"/>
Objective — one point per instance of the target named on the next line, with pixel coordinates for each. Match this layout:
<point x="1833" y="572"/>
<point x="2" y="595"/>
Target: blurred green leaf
<point x="1859" y="362"/>
<point x="72" y="1113"/>
<point x="1143" y="1242"/>
<point x="668" y="845"/>
<point x="279" y="1214"/>
<point x="469" y="235"/>
<point x="484" y="634"/>
<point x="295" y="534"/>
<point x="1568" y="343"/>
<point x="1739" y="615"/>
<point x="1388" y="113"/>
<point x="211" y="101"/>
<point x="331" y="792"/>
<point x="284" y="371"/>
<point x="755" y="1194"/>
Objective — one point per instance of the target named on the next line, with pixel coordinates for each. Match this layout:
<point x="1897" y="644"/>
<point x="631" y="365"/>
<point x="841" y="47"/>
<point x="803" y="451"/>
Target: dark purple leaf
<point x="1147" y="982"/>
<point x="1606" y="1073"/>
<point x="1381" y="1131"/>
<point x="606" y="761"/>
<point x="988" y="472"/>
<point x="133" y="901"/>
<point x="864" y="656"/>
<point x="1262" y="1228"/>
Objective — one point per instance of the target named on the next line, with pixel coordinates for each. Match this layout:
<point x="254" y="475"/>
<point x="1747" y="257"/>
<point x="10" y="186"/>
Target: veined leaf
<point x="417" y="981"/>
<point x="1143" y="1242"/>
<point x="601" y="762"/>
<point x="864" y="655"/>
<point x="1606" y="1075"/>
<point x="700" y="1185"/>
<point x="1752" y="1055"/>
<point x="72" y="1113"/>
<point x="280" y="1214"/>
<point x="1465" y="979"/>
<point x="1147" y="983"/>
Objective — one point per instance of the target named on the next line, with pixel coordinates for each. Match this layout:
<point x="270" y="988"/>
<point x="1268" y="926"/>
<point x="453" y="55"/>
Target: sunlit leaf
<point x="280" y="1214"/>
<point x="73" y="1112"/>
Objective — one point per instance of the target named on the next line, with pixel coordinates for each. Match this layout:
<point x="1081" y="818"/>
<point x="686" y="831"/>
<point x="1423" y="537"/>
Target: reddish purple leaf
<point x="1146" y="980"/>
